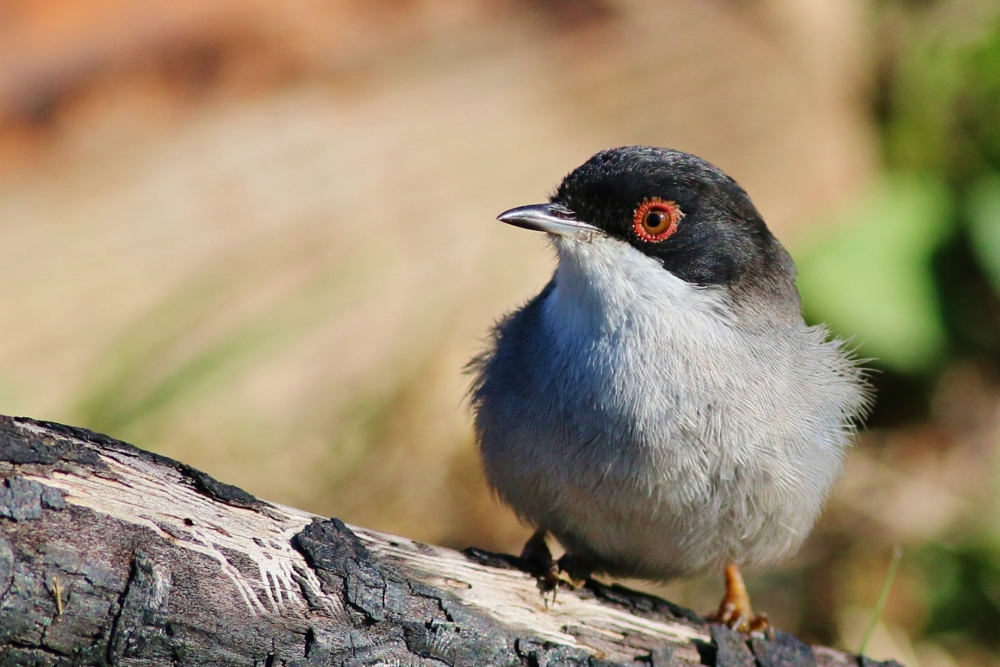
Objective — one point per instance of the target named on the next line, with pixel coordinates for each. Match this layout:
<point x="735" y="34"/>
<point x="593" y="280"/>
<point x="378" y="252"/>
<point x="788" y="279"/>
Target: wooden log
<point x="111" y="555"/>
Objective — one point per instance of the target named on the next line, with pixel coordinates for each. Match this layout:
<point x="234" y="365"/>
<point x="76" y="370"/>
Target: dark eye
<point x="656" y="220"/>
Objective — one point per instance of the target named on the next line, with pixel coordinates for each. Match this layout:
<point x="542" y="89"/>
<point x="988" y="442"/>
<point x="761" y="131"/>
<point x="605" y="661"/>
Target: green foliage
<point x="962" y="585"/>
<point x="943" y="100"/>
<point x="914" y="270"/>
<point x="984" y="224"/>
<point x="872" y="279"/>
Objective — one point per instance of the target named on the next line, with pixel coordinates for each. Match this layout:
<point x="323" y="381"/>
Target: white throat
<point x="604" y="286"/>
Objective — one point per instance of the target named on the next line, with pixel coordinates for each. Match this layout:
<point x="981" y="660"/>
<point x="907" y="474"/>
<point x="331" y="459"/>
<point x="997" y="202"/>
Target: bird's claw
<point x="574" y="571"/>
<point x="537" y="559"/>
<point x="734" y="612"/>
<point x="734" y="618"/>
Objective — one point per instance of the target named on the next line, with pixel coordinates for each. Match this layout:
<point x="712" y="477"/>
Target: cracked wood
<point x="110" y="555"/>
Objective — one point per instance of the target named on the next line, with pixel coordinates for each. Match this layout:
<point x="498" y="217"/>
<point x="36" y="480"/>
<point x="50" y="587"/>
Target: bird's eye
<point x="656" y="220"/>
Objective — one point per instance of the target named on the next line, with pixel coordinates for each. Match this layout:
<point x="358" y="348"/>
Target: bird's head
<point x="673" y="207"/>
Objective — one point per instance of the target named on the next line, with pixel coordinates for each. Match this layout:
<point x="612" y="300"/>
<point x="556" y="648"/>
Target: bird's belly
<point x="630" y="534"/>
<point x="662" y="527"/>
<point x="663" y="446"/>
<point x="653" y="484"/>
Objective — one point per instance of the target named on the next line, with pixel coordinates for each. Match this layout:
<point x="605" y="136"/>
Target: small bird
<point x="661" y="408"/>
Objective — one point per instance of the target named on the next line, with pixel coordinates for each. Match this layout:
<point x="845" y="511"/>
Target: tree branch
<point x="110" y="555"/>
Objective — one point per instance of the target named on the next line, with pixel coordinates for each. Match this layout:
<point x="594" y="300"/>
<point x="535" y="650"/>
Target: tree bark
<point x="111" y="555"/>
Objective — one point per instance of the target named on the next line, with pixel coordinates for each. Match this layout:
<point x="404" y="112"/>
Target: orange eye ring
<point x="656" y="220"/>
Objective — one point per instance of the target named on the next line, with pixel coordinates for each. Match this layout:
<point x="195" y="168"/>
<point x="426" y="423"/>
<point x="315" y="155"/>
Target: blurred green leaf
<point x="984" y="226"/>
<point x="963" y="591"/>
<point x="872" y="280"/>
<point x="944" y="96"/>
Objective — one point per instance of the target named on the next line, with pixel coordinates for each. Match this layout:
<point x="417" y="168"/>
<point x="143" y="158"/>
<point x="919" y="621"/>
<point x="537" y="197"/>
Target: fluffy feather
<point x="656" y="427"/>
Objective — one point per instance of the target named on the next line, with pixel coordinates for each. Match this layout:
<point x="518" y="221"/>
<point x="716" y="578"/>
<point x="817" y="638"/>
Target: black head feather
<point x="721" y="239"/>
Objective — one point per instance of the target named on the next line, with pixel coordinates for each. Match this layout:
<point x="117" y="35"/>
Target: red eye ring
<point x="656" y="220"/>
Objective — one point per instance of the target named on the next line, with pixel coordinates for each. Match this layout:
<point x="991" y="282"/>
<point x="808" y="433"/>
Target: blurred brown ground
<point x="259" y="237"/>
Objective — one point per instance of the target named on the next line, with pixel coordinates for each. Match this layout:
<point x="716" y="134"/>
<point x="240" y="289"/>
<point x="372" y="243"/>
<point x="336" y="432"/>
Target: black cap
<point x="720" y="239"/>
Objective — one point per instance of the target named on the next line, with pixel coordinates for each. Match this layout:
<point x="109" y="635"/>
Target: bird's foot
<point x="574" y="570"/>
<point x="734" y="610"/>
<point x="537" y="559"/>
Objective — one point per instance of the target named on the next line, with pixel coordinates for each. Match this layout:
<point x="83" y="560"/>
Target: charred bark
<point x="111" y="555"/>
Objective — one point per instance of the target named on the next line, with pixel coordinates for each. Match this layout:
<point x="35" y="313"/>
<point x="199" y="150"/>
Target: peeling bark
<point x="110" y="555"/>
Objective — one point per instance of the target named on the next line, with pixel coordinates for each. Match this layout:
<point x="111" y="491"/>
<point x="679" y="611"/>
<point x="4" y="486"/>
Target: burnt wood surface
<point x="111" y="555"/>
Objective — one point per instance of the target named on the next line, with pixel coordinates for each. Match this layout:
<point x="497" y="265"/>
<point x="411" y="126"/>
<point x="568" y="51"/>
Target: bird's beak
<point x="549" y="218"/>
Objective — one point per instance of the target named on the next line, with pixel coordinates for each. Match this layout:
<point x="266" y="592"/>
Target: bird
<point x="661" y="408"/>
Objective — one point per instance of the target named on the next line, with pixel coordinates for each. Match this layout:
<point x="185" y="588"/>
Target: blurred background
<point x="259" y="237"/>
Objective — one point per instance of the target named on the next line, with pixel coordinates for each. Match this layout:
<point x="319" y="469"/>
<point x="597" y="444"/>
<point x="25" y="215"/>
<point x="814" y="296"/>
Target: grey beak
<point x="549" y="218"/>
